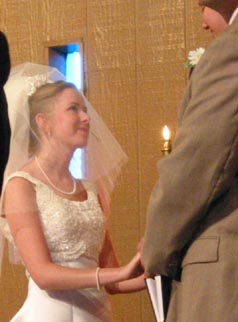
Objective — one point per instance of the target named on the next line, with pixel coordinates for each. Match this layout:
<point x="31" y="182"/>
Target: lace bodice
<point x="71" y="228"/>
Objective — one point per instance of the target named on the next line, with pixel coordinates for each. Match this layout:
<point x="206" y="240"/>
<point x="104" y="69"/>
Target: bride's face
<point x="69" y="121"/>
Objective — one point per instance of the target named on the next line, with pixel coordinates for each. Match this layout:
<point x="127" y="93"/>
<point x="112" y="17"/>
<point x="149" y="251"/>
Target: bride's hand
<point x="133" y="268"/>
<point x="140" y="244"/>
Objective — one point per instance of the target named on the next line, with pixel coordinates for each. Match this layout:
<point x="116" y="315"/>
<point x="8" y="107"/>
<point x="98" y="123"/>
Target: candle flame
<point x="166" y="133"/>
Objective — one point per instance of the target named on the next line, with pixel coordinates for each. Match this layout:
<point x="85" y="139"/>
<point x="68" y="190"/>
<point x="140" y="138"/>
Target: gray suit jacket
<point x="192" y="225"/>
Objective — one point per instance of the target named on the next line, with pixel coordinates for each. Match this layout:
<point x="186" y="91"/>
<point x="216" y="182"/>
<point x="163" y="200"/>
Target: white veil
<point x="103" y="155"/>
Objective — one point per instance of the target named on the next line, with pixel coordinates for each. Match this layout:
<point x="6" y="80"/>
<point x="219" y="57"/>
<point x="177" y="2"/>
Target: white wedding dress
<point x="74" y="232"/>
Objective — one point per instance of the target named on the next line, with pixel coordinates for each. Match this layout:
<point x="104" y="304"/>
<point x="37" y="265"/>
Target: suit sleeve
<point x="5" y="131"/>
<point x="203" y="161"/>
<point x="4" y="59"/>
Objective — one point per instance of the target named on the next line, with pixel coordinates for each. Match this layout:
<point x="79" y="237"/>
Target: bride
<point x="55" y="221"/>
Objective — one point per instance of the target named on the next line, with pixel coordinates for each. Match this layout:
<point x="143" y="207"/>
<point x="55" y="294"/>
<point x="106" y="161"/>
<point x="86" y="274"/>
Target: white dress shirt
<point x="235" y="13"/>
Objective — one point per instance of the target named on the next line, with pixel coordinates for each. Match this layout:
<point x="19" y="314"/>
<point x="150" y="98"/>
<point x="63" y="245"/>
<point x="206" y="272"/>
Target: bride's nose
<point x="84" y="117"/>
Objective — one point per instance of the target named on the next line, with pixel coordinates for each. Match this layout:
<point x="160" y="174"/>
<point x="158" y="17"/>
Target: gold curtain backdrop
<point x="134" y="56"/>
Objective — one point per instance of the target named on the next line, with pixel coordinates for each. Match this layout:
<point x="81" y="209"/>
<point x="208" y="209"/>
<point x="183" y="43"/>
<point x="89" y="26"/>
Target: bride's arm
<point x="108" y="258"/>
<point x="22" y="216"/>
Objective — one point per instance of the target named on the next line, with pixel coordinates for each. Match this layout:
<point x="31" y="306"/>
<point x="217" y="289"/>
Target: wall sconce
<point x="166" y="149"/>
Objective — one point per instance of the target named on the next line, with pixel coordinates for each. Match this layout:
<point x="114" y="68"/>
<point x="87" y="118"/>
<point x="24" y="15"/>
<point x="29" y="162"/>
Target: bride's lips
<point x="84" y="129"/>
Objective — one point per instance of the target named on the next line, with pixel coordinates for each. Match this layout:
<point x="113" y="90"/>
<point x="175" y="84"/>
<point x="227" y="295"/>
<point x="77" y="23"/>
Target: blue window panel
<point x="74" y="69"/>
<point x="77" y="164"/>
<point x="74" y="74"/>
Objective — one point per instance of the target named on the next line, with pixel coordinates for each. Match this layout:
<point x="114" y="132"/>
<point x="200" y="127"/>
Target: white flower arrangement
<point x="194" y="57"/>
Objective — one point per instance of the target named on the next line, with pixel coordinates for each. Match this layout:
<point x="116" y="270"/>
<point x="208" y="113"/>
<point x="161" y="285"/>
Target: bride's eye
<point x="74" y="108"/>
<point x="77" y="108"/>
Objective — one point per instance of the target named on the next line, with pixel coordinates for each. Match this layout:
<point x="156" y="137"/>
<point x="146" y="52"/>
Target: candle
<point x="166" y="149"/>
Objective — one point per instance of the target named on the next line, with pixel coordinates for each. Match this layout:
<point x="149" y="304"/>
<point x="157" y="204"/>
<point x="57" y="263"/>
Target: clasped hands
<point x="135" y="268"/>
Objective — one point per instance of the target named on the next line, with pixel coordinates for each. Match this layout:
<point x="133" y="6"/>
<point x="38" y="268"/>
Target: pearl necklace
<point x="51" y="183"/>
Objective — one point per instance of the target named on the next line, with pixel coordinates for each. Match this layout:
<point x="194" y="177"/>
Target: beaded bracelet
<point x="97" y="278"/>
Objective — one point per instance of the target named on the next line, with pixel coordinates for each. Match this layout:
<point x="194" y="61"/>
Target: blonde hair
<point x="42" y="101"/>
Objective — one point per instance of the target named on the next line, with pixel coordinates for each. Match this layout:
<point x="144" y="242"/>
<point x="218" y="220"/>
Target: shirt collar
<point x="235" y="13"/>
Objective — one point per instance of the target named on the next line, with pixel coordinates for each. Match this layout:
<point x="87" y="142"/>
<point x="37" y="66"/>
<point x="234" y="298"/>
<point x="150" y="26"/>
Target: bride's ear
<point x="43" y="124"/>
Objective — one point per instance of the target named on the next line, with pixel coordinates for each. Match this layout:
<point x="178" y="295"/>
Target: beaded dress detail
<point x="71" y="228"/>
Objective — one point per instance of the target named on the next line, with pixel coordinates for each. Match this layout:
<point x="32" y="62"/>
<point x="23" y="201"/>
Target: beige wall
<point x="135" y="51"/>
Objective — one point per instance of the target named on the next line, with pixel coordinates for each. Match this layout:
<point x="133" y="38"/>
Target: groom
<point x="192" y="226"/>
<point x="4" y="122"/>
